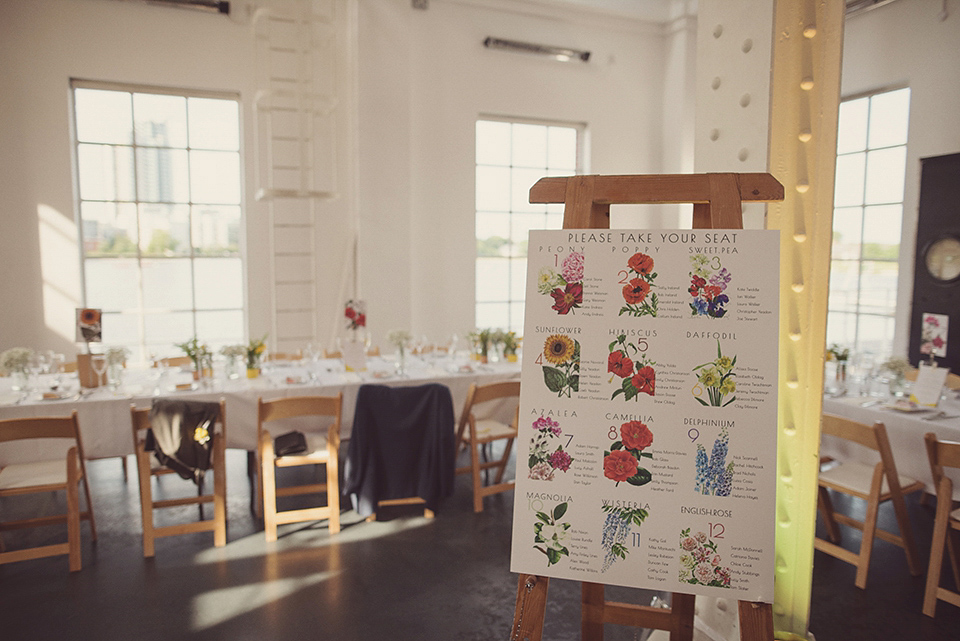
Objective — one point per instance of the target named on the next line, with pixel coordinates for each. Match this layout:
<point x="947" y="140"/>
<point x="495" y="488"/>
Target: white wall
<point x="425" y="77"/>
<point x="905" y="43"/>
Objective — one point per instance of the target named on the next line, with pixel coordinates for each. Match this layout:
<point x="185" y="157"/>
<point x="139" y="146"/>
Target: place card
<point x="928" y="387"/>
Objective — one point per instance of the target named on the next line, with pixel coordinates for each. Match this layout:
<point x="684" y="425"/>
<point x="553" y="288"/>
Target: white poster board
<point x="648" y="415"/>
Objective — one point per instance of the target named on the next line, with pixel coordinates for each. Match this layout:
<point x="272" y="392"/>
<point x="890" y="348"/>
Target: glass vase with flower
<point x="254" y="352"/>
<point x="16" y="362"/>
<point x="116" y="358"/>
<point x="201" y="357"/>
<point x="400" y="338"/>
<point x="234" y="355"/>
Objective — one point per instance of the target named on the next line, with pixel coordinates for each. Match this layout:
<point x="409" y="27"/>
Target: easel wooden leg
<point x="531" y="608"/>
<point x="756" y="621"/>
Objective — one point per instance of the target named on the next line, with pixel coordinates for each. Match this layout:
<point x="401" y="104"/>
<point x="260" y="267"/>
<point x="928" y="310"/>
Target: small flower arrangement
<point x="198" y="352"/>
<point x="707" y="284"/>
<point x="639" y="376"/>
<point x="700" y="562"/>
<point x="714" y="476"/>
<point x="622" y="461"/>
<point x="836" y="353"/>
<point x="717" y="377"/>
<point x="234" y="351"/>
<point x="550" y="534"/>
<point x="635" y="292"/>
<point x="897" y="366"/>
<point x="616" y="528"/>
<point x="562" y="376"/>
<point x="480" y="338"/>
<point x="542" y="461"/>
<point x="511" y="342"/>
<point x="254" y="351"/>
<point x="355" y="314"/>
<point x="16" y="359"/>
<point x="117" y="355"/>
<point x="566" y="288"/>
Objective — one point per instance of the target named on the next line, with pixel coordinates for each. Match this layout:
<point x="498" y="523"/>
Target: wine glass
<point x="99" y="365"/>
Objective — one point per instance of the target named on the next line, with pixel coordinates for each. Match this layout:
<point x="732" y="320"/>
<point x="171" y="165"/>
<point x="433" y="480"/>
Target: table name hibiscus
<point x="645" y="333"/>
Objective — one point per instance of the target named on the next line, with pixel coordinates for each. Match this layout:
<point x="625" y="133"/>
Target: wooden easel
<point x="717" y="200"/>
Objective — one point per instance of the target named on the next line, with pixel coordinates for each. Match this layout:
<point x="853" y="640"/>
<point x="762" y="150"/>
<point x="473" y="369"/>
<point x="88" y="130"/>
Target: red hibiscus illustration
<point x="636" y="435"/>
<point x="636" y="291"/>
<point x="645" y="380"/>
<point x="569" y="297"/>
<point x="619" y="465"/>
<point x="619" y="364"/>
<point x="640" y="263"/>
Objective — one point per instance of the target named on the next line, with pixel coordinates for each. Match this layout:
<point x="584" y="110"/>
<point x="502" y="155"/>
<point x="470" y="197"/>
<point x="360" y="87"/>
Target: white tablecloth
<point x="904" y="430"/>
<point x="104" y="416"/>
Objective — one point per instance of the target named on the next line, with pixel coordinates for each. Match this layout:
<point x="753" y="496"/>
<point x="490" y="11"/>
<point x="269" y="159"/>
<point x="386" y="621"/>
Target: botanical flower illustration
<point x="716" y="377"/>
<point x="544" y="460"/>
<point x="616" y="528"/>
<point x="551" y="534"/>
<point x="355" y="314"/>
<point x="640" y="301"/>
<point x="633" y="367"/>
<point x="566" y="288"/>
<point x="707" y="284"/>
<point x="622" y="461"/>
<point x="700" y="562"/>
<point x="714" y="475"/>
<point x="88" y="325"/>
<point x="933" y="334"/>
<point x="564" y="354"/>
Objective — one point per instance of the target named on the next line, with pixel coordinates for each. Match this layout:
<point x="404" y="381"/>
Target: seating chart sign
<point x="646" y="454"/>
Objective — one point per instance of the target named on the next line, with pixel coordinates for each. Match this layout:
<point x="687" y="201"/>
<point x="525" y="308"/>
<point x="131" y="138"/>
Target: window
<point x="158" y="175"/>
<point x="511" y="157"/>
<point x="868" y="209"/>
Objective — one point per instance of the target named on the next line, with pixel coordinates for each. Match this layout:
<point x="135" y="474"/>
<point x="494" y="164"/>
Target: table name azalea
<point x="554" y="413"/>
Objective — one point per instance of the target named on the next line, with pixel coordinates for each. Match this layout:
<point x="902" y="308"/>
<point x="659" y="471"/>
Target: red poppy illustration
<point x="635" y="291"/>
<point x="640" y="263"/>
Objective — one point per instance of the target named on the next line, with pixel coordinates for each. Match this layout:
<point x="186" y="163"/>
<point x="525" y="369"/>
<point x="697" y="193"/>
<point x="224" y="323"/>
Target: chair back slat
<point x="294" y="406"/>
<point x="850" y="430"/>
<point x="484" y="393"/>
<point x="16" y="429"/>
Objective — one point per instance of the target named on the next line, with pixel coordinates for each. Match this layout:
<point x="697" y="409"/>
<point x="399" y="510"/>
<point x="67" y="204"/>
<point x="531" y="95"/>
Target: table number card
<point x="648" y="415"/>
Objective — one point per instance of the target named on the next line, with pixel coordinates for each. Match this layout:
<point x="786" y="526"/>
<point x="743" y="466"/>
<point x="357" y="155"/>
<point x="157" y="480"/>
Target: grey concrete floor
<point x="404" y="577"/>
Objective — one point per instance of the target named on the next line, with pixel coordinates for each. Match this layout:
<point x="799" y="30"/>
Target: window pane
<point x="885" y="175"/>
<point x="849" y="181"/>
<point x="889" y="118"/>
<point x="216" y="230"/>
<point x="103" y="116"/>
<point x="215" y="177"/>
<point x="878" y="287"/>
<point x="529" y="146"/>
<point x="874" y="334"/>
<point x="516" y="319"/>
<point x="493" y="143"/>
<point x="562" y="148"/>
<point x="523" y="223"/>
<point x="112" y="283"/>
<point x="518" y="275"/>
<point x="492" y="224"/>
<point x="493" y="189"/>
<point x="847" y="224"/>
<point x="844" y="285"/>
<point x="160" y="120"/>
<point x="852" y="126"/>
<point x="214" y="124"/>
<point x="219" y="283"/>
<point x="493" y="314"/>
<point x="121" y="330"/>
<point x="841" y="329"/>
<point x="220" y="328"/>
<point x="167" y="284"/>
<point x="521" y="182"/>
<point x="164" y="230"/>
<point x="881" y="232"/>
<point x="169" y="328"/>
<point x="162" y="175"/>
<point x="105" y="172"/>
<point x="109" y="229"/>
<point x="492" y="279"/>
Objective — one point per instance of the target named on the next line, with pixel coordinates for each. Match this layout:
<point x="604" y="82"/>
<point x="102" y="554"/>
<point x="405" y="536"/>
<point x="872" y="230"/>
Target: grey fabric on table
<point x="401" y="446"/>
<point x="172" y="435"/>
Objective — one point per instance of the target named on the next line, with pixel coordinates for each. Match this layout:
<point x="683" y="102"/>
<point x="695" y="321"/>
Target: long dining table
<point x="905" y="431"/>
<point x="104" y="414"/>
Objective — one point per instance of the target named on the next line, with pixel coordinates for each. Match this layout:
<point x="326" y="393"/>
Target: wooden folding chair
<point x="476" y="433"/>
<point x="947" y="522"/>
<point x="47" y="476"/>
<point x="322" y="449"/>
<point x="149" y="467"/>
<point x="875" y="484"/>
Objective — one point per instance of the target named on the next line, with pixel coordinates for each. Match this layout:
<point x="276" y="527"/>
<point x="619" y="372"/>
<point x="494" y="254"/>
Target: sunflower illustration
<point x="558" y="348"/>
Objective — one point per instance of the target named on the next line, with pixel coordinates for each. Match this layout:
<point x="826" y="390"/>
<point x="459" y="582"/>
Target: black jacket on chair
<point x="401" y="446"/>
<point x="181" y="435"/>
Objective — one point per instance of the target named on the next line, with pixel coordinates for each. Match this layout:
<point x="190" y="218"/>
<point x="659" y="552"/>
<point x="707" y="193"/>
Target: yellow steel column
<point x="805" y="95"/>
